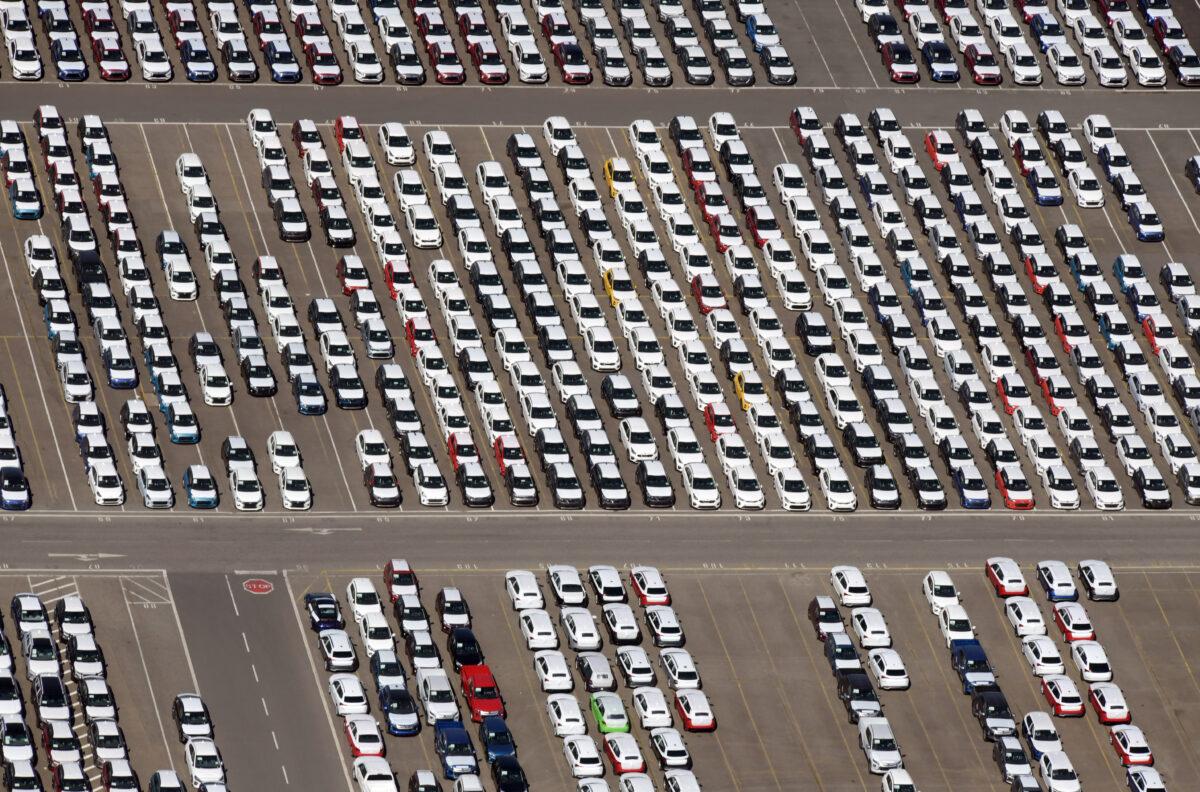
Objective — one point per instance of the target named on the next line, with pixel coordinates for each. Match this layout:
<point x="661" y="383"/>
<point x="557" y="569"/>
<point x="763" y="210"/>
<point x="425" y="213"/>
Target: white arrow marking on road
<point x="85" y="557"/>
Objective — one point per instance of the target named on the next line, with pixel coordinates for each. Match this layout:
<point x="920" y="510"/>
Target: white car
<point x="888" y="669"/>
<point x="347" y="695"/>
<point x="1024" y="617"/>
<point x="850" y="586"/>
<point x="651" y="707"/>
<point x="870" y="628"/>
<point x="582" y="757"/>
<point x="553" y="673"/>
<point x="537" y="629"/>
<point x="939" y="591"/>
<point x="1104" y="488"/>
<point x="204" y="761"/>
<point x="955" y="624"/>
<point x="580" y="629"/>
<point x="1042" y="655"/>
<point x="566" y="717"/>
<point x="1091" y="661"/>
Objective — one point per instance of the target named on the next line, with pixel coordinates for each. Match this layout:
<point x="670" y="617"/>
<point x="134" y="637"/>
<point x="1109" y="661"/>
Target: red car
<point x="718" y="419"/>
<point x="1130" y="744"/>
<point x="1028" y="9"/>
<point x="419" y="332"/>
<point x="649" y="586"/>
<point x="1108" y="7"/>
<point x="1109" y="704"/>
<point x="571" y="63"/>
<point x="267" y="26"/>
<point x="1155" y="333"/>
<point x="1167" y="32"/>
<point x="1073" y="621"/>
<point x="1041" y="362"/>
<point x="480" y="692"/>
<point x="694" y="711"/>
<point x="940" y="147"/>
<point x="110" y="60"/>
<point x="1068" y="330"/>
<point x="1010" y="388"/>
<point x="1028" y="155"/>
<point x="356" y="748"/>
<point x="323" y="64"/>
<point x="488" y="63"/>
<point x="346" y="128"/>
<point x="900" y="63"/>
<point x="308" y="28"/>
<point x="447" y="68"/>
<point x="909" y="7"/>
<point x="107" y="186"/>
<point x="699" y="167"/>
<point x="398" y="578"/>
<point x="948" y="7"/>
<point x="1058" y="393"/>
<point x="462" y="449"/>
<point x="1005" y="577"/>
<point x="763" y="225"/>
<point x="182" y="21"/>
<point x="325" y="192"/>
<point x="507" y="450"/>
<point x="306" y="135"/>
<point x="1062" y="696"/>
<point x="1014" y="488"/>
<point x="397" y="276"/>
<point x="99" y="22"/>
<point x="710" y="199"/>
<point x="707" y="291"/>
<point x="1040" y="270"/>
<point x="982" y="65"/>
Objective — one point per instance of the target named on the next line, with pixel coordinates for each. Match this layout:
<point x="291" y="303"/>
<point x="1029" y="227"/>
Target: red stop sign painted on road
<point x="258" y="586"/>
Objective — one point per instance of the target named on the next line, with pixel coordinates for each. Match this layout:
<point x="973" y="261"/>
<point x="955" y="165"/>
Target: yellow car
<point x="749" y="389"/>
<point x="617" y="175"/>
<point x="739" y="389"/>
<point x="607" y="280"/>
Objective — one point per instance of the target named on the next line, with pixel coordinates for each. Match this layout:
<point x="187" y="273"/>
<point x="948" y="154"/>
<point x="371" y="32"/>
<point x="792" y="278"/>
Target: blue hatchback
<point x="972" y="492"/>
<point x="201" y="488"/>
<point x="939" y="60"/>
<point x="283" y="65"/>
<point x="24" y="199"/>
<point x="454" y="749"/>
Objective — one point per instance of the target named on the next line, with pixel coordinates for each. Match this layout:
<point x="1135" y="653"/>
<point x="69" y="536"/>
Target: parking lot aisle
<point x="851" y="66"/>
<point x="794" y="689"/>
<point x="1161" y="706"/>
<point x="938" y="742"/>
<point x="829" y="743"/>
<point x="718" y="649"/>
<point x="270" y="722"/>
<point x="1169" y="150"/>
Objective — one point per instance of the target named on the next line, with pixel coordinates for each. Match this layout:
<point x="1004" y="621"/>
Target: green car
<point x="609" y="712"/>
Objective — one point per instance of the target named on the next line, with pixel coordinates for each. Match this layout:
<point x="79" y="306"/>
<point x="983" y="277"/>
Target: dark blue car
<point x="14" y="490"/>
<point x="939" y="60"/>
<point x="323" y="611"/>
<point x="970" y="662"/>
<point x="198" y="64"/>
<point x="1046" y="31"/>
<point x="69" y="64"/>
<point x="282" y="64"/>
<point x="1146" y="223"/>
<point x="454" y="748"/>
<point x="496" y="739"/>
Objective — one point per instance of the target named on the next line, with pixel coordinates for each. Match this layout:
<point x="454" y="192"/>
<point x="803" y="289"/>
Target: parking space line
<point x="329" y="719"/>
<point x="1174" y="638"/>
<point x="817" y="44"/>
<point x="857" y="46"/>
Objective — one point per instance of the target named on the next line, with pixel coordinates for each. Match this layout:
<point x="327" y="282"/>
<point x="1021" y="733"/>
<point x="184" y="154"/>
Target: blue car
<point x="1055" y="593"/>
<point x="1113" y="160"/>
<point x="282" y="64"/>
<point x="24" y="199"/>
<point x="182" y="426"/>
<point x="323" y="611"/>
<point x="1152" y="9"/>
<point x="1114" y="329"/>
<point x="201" y="488"/>
<point x="1044" y="186"/>
<point x="939" y="60"/>
<point x="883" y="300"/>
<point x="972" y="492"/>
<point x="1084" y="270"/>
<point x="120" y="370"/>
<point x="454" y="749"/>
<point x="970" y="662"/>
<point x="14" y="490"/>
<point x="198" y="64"/>
<point x="1127" y="268"/>
<point x="386" y="670"/>
<point x="496" y="739"/>
<point x="1046" y="31"/>
<point x="929" y="303"/>
<point x="69" y="64"/>
<point x="309" y="395"/>
<point x="1145" y="223"/>
<point x="915" y="274"/>
<point x="873" y="186"/>
<point x="761" y="31"/>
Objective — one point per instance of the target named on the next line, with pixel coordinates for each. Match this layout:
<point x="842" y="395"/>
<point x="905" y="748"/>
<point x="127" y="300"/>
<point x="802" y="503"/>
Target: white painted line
<point x="232" y="601"/>
<point x="817" y="44"/>
<point x="337" y="743"/>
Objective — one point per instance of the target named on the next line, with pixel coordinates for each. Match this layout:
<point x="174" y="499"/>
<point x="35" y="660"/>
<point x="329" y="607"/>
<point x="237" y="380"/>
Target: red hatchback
<point x="1014" y="488"/>
<point x="982" y="65"/>
<point x="707" y="291"/>
<point x="481" y="693"/>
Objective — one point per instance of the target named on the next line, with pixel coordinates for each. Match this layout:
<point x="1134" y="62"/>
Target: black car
<point x="471" y="482"/>
<point x="733" y="61"/>
<point x="323" y="611"/>
<point x="239" y="63"/>
<point x="258" y="370"/>
<point x="522" y="491"/>
<point x="990" y="708"/>
<point x="930" y="493"/>
<point x="882" y="488"/>
<point x="883" y="28"/>
<point x="610" y="489"/>
<point x="508" y="775"/>
<point x="562" y="480"/>
<point x="620" y="396"/>
<point x="857" y="695"/>
<point x="463" y="648"/>
<point x="814" y="332"/>
<point x="651" y="479"/>
<point x="1152" y="489"/>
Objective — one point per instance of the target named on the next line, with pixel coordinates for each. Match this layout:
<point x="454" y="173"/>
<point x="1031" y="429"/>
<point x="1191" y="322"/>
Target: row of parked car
<point x="427" y="698"/>
<point x="1048" y="33"/>
<point x="65" y="666"/>
<point x="613" y="721"/>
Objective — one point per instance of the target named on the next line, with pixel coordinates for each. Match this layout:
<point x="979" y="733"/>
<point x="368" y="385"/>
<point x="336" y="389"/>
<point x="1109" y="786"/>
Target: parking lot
<point x="147" y="154"/>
